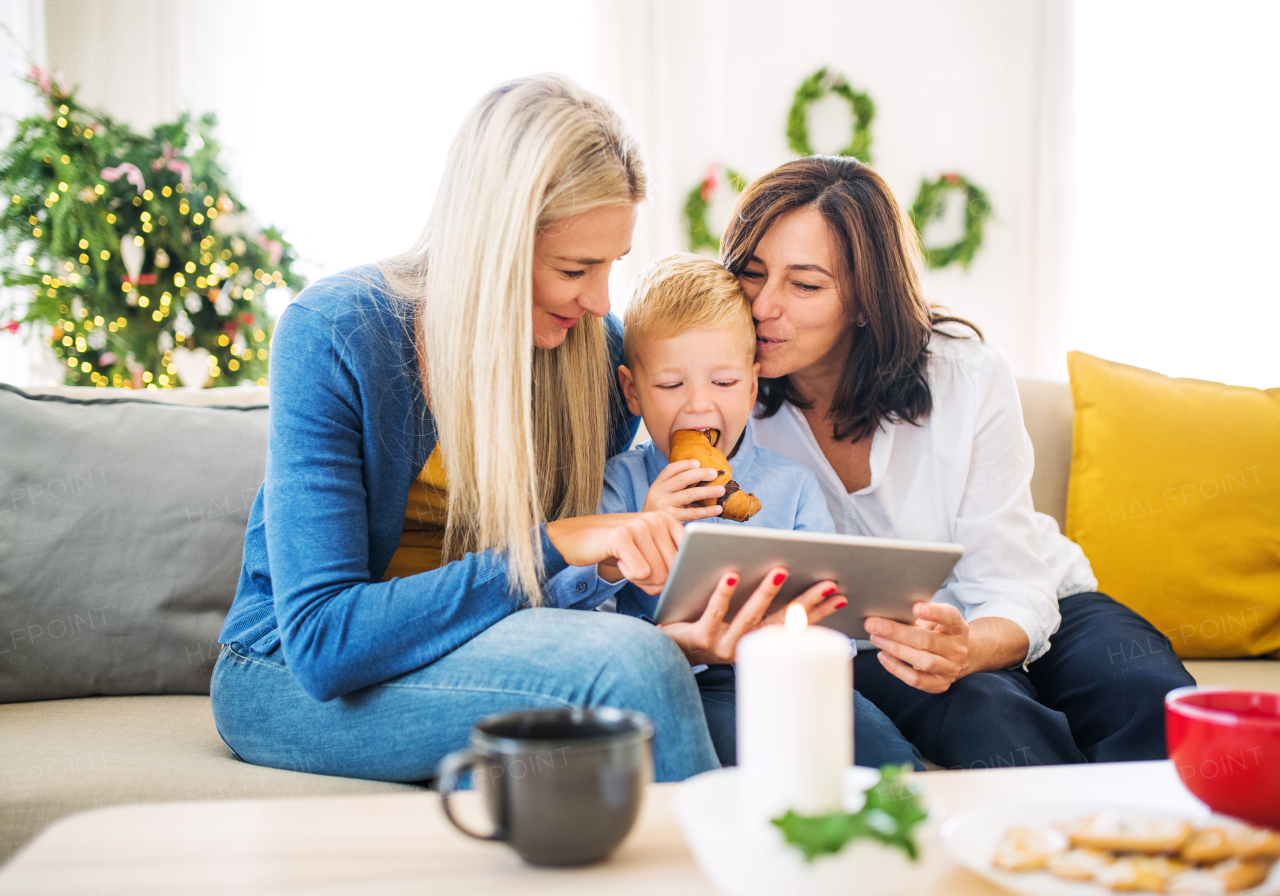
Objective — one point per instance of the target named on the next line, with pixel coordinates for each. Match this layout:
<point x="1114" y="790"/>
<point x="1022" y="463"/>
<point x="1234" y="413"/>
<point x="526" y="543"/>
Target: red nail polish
<point x="779" y="578"/>
<point x="843" y="603"/>
<point x="731" y="581"/>
<point x="828" y="591"/>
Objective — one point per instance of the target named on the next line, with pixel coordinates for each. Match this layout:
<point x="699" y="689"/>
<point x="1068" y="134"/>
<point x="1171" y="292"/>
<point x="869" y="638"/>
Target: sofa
<point x="76" y="753"/>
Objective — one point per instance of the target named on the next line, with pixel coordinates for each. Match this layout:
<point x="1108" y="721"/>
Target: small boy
<point x="689" y="344"/>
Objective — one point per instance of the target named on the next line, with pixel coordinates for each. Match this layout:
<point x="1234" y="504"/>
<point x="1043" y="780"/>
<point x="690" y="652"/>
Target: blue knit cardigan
<point x="349" y="431"/>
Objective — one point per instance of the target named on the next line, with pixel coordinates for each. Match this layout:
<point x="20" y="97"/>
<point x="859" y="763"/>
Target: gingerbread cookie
<point x="1027" y="849"/>
<point x="1230" y="876"/>
<point x="1217" y="844"/>
<point x="1078" y="864"/>
<point x="1129" y="873"/>
<point x="1149" y="835"/>
<point x="1144" y="853"/>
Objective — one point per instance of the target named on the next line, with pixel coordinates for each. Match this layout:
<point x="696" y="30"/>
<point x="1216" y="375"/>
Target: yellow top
<point x="425" y="513"/>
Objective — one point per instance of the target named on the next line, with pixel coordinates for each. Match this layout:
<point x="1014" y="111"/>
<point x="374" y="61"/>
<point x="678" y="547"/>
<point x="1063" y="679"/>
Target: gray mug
<point x="562" y="786"/>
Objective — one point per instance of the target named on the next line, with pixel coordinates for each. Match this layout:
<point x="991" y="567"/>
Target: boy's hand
<point x="670" y="492"/>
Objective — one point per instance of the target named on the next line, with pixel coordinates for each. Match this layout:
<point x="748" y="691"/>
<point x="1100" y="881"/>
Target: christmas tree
<point x="135" y="249"/>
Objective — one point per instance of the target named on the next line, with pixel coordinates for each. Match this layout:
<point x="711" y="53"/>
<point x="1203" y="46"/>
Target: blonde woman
<point x="439" y="430"/>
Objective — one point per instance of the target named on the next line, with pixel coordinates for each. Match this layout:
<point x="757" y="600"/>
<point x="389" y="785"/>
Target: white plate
<point x="971" y="838"/>
<point x="746" y="860"/>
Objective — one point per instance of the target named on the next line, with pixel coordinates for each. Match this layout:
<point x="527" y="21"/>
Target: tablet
<point x="879" y="576"/>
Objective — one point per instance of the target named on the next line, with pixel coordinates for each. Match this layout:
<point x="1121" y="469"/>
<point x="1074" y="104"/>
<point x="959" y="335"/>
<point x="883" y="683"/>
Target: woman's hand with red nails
<point x="819" y="602"/>
<point x="712" y="640"/>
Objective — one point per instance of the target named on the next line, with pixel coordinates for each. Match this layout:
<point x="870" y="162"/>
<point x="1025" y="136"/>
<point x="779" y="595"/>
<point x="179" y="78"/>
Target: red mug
<point x="1225" y="745"/>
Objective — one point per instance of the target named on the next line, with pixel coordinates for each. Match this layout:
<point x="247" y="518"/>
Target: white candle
<point x="795" y="718"/>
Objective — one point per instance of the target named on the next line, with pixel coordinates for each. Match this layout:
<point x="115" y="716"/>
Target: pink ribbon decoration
<point x="182" y="169"/>
<point x="12" y="326"/>
<point x="273" y="248"/>
<point x="128" y="171"/>
<point x="711" y="181"/>
<point x="168" y="159"/>
<point x="37" y="75"/>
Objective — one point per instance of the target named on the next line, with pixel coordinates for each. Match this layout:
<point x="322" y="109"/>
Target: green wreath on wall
<point x="815" y="87"/>
<point x="698" y="201"/>
<point x="929" y="205"/>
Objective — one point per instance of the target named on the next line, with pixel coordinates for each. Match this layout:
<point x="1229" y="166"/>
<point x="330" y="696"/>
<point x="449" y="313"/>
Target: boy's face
<point x="701" y="379"/>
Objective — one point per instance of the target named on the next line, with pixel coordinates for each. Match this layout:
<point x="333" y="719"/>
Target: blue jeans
<point x="1096" y="696"/>
<point x="399" y="730"/>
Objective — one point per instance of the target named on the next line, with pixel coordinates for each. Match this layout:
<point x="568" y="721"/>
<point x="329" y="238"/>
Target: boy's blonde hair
<point x="684" y="292"/>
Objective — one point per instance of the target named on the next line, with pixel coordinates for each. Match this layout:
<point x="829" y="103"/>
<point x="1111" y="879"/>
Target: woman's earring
<point x="862" y="321"/>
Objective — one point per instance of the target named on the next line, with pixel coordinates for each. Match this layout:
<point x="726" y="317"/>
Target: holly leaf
<point x="891" y="812"/>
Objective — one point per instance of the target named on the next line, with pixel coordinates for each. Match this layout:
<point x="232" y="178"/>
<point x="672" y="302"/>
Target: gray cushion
<point x="121" y="530"/>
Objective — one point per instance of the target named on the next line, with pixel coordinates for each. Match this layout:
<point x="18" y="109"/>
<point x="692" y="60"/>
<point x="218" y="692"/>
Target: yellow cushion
<point x="1175" y="498"/>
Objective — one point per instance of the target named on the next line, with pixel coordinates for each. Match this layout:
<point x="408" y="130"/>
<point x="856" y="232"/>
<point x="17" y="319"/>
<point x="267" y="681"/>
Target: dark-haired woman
<point x="912" y="423"/>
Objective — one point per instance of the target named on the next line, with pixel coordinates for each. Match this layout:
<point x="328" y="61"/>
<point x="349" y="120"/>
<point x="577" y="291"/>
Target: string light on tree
<point x="124" y="225"/>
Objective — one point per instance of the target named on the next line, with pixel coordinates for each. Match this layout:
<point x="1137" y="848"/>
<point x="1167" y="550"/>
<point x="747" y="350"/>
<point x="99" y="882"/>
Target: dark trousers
<point x="876" y="741"/>
<point x="1096" y="696"/>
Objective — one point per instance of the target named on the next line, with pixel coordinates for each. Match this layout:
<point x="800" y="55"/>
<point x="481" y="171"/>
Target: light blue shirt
<point x="790" y="498"/>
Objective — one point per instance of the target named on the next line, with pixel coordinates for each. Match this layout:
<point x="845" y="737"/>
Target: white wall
<point x="1178" y="193"/>
<point x="958" y="86"/>
<point x="133" y="58"/>
<point x="25" y="21"/>
<point x="336" y="117"/>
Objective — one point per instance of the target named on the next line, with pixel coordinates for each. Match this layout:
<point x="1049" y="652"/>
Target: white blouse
<point x="962" y="475"/>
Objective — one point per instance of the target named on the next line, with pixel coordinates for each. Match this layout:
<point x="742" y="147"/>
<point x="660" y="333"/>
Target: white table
<point x="401" y="843"/>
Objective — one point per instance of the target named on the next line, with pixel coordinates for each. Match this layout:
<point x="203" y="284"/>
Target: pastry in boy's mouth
<point x="699" y="445"/>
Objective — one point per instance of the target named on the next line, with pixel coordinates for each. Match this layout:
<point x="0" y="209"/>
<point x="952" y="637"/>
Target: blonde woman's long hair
<point x="523" y="431"/>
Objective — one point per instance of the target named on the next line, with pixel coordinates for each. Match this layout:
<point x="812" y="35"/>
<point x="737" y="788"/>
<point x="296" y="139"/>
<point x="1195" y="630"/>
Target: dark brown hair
<point x="884" y="375"/>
